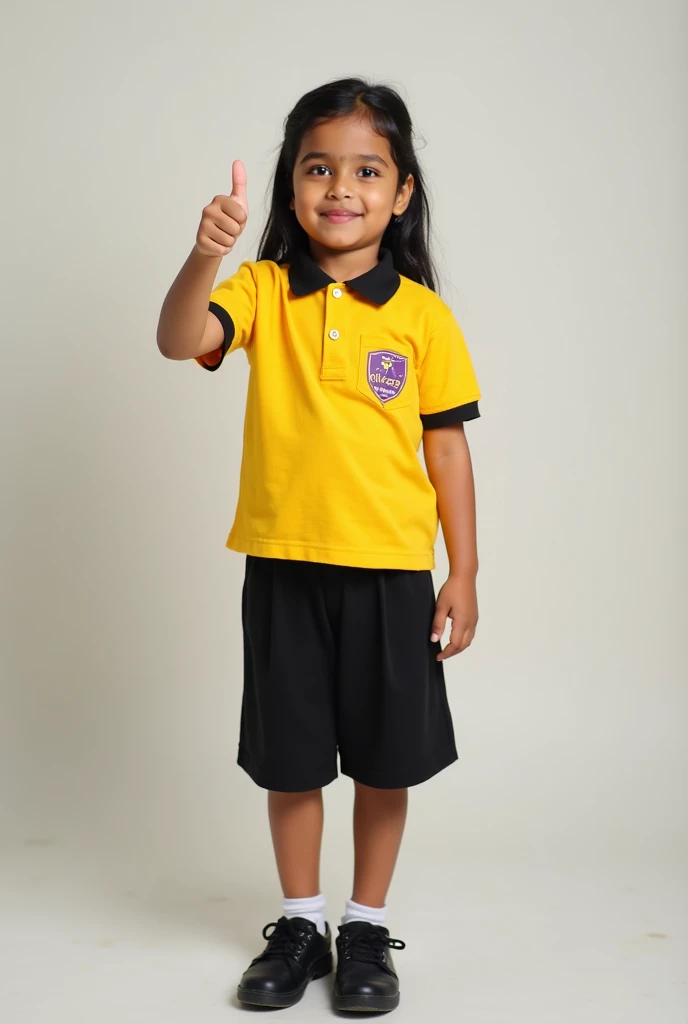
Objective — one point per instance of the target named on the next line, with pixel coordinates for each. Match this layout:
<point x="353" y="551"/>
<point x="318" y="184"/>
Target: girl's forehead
<point x="345" y="138"/>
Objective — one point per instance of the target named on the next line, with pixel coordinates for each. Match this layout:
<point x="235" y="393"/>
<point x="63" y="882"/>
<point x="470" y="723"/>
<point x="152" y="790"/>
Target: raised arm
<point x="186" y="328"/>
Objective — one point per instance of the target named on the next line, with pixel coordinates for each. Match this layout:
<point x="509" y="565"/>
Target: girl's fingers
<point x="230" y="207"/>
<point x="228" y="224"/>
<point x="459" y="640"/>
<point x="451" y="644"/>
<point x="449" y="651"/>
<point x="216" y="234"/>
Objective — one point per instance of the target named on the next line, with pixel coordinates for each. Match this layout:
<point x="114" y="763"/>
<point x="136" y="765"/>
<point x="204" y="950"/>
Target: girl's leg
<point x="305" y="950"/>
<point x="296" y="823"/>
<point x="366" y="979"/>
<point x="379" y="819"/>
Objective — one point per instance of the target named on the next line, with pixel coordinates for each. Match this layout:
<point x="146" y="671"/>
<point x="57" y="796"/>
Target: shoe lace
<point x="287" y="940"/>
<point x="368" y="945"/>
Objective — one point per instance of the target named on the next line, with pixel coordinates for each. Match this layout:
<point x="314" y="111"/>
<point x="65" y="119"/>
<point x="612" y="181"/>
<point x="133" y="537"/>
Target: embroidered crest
<point x="387" y="374"/>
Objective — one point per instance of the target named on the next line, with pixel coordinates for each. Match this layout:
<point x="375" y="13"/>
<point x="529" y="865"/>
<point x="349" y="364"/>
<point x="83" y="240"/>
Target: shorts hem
<point x="393" y="778"/>
<point x="264" y="780"/>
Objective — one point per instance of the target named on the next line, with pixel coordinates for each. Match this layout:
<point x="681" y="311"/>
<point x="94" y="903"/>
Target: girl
<point x="353" y="361"/>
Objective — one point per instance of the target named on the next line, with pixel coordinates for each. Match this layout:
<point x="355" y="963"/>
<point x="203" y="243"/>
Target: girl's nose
<point x="340" y="188"/>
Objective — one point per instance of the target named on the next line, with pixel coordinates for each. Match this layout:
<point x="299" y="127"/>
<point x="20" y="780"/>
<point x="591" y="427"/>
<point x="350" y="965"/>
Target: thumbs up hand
<point x="224" y="219"/>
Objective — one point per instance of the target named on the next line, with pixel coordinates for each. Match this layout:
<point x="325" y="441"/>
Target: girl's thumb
<point x="438" y="627"/>
<point x="239" y="183"/>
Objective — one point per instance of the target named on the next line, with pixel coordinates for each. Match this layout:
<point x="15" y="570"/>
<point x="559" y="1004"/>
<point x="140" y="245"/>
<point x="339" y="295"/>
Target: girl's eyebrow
<point x="371" y="158"/>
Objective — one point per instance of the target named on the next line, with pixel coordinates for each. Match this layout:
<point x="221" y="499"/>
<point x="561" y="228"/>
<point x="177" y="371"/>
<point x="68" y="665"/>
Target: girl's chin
<point x="339" y="238"/>
<point x="329" y="245"/>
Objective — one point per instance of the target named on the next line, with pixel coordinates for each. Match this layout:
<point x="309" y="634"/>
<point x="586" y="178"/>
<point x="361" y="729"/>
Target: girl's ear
<point x="292" y="203"/>
<point x="403" y="197"/>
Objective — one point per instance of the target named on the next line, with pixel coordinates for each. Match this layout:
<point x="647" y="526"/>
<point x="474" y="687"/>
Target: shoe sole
<point x="281" y="1000"/>
<point x="366" y="1004"/>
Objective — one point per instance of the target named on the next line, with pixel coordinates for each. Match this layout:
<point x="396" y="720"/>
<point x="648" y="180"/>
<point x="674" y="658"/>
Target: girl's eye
<point x="320" y="170"/>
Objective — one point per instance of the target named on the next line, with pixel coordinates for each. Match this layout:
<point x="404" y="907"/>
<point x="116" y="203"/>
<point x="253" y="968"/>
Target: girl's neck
<point x="345" y="265"/>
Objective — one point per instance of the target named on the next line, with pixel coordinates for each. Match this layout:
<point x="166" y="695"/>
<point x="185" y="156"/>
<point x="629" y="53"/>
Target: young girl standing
<point x="353" y="361"/>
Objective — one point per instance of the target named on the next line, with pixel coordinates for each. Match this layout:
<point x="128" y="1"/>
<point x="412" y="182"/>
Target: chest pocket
<point x="387" y="375"/>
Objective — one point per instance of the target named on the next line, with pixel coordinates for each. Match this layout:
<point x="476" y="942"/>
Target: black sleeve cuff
<point x="228" y="327"/>
<point x="451" y="416"/>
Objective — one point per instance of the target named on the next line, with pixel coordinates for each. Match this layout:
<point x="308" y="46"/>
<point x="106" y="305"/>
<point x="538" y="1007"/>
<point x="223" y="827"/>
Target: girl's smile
<point x="340" y="216"/>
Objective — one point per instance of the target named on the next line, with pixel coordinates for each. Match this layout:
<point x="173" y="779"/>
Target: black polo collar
<point x="378" y="285"/>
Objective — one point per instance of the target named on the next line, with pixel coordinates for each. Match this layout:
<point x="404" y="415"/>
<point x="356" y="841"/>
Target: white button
<point x="336" y="293"/>
<point x="334" y="335"/>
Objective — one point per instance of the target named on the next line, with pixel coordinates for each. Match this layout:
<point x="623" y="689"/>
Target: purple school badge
<point x="387" y="373"/>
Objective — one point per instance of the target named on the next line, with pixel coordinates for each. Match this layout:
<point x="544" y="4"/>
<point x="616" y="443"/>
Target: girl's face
<point x="346" y="185"/>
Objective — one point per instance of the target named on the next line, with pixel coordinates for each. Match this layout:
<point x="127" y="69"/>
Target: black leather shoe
<point x="366" y="979"/>
<point x="296" y="953"/>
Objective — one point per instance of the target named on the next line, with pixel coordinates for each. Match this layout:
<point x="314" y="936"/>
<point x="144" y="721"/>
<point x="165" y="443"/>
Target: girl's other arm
<point x="186" y="328"/>
<point x="448" y="462"/>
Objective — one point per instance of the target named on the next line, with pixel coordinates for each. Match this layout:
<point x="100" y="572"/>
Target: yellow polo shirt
<point x="344" y="378"/>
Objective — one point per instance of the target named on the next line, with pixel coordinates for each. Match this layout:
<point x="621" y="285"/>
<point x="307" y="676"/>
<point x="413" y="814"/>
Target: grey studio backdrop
<point x="554" y="141"/>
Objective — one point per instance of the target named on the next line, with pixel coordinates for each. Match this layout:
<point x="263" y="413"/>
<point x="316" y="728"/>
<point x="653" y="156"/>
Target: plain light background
<point x="546" y="869"/>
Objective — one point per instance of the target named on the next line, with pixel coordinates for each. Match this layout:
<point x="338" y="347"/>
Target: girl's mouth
<point x="340" y="216"/>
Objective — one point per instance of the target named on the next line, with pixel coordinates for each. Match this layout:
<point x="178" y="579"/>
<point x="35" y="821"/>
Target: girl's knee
<point x="380" y="794"/>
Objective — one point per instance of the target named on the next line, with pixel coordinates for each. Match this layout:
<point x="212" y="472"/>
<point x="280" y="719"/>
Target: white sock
<point x="357" y="912"/>
<point x="310" y="907"/>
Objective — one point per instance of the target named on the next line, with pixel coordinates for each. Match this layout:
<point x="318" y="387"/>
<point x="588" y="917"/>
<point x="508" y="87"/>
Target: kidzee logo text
<point x="387" y="374"/>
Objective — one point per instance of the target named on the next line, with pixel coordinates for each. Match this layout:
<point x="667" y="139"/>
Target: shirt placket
<point x="336" y="333"/>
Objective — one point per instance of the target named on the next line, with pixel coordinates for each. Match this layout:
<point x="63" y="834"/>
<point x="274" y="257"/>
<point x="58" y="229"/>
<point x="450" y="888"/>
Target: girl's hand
<point x="225" y="218"/>
<point x="458" y="601"/>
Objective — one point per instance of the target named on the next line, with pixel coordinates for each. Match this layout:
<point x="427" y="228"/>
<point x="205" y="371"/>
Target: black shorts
<point x="339" y="660"/>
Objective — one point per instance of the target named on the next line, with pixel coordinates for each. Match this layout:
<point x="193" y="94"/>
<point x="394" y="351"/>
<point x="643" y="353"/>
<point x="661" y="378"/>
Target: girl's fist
<point x="224" y="219"/>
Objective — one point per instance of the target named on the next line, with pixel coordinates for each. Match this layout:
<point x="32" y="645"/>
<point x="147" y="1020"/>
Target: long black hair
<point x="407" y="237"/>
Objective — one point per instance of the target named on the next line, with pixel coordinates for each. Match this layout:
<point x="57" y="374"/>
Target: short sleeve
<point x="233" y="302"/>
<point x="448" y="386"/>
